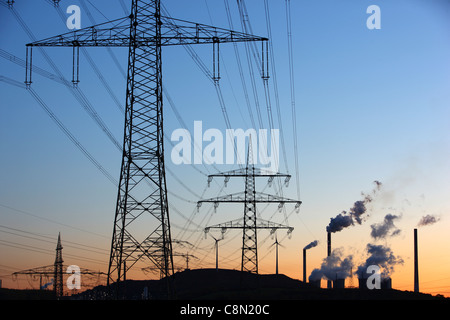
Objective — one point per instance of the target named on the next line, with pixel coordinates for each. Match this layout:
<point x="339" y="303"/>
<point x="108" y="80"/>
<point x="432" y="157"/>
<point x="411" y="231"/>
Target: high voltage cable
<point x="292" y="87"/>
<point x="76" y="92"/>
<point x="48" y="241"/>
<point x="51" y="76"/>
<point x="223" y="107"/>
<point x="45" y="251"/>
<point x="245" y="21"/>
<point x="221" y="58"/>
<point x="275" y="84"/>
<point x="239" y="63"/>
<point x="70" y="135"/>
<point x="61" y="126"/>
<point x="210" y="76"/>
<point x="109" y="50"/>
<point x="50" y="220"/>
<point x="8" y="56"/>
<point x="33" y="235"/>
<point x="245" y="27"/>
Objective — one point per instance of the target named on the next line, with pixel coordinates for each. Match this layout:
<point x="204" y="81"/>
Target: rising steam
<point x="386" y="228"/>
<point x="311" y="245"/>
<point x="381" y="256"/>
<point x="346" y="219"/>
<point x="427" y="220"/>
<point x="333" y="267"/>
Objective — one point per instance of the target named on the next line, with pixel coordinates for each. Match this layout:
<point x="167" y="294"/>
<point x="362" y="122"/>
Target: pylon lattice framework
<point x="55" y="271"/>
<point x="142" y="187"/>
<point x="250" y="224"/>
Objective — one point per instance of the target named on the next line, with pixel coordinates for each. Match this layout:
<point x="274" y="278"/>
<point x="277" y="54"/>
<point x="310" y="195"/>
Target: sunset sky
<point x="369" y="105"/>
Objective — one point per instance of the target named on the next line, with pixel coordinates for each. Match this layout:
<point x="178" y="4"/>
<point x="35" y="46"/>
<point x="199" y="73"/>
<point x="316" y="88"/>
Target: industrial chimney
<point x="329" y="283"/>
<point x="416" y="263"/>
<point x="339" y="283"/>
<point x="304" y="265"/>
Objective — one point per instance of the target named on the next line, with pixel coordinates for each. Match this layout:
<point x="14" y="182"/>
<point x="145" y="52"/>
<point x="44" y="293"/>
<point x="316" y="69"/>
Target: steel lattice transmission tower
<point x="58" y="271"/>
<point x="55" y="272"/>
<point x="250" y="224"/>
<point x="142" y="187"/>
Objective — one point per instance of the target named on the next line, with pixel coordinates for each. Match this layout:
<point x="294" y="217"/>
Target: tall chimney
<point x="416" y="263"/>
<point x="304" y="265"/>
<point x="329" y="285"/>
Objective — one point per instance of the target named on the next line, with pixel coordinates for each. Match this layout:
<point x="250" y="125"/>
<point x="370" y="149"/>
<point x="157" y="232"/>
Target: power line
<point x="69" y="244"/>
<point x="275" y="83"/>
<point x="50" y="220"/>
<point x="292" y="88"/>
<point x="76" y="92"/>
<point x="239" y="63"/>
<point x="61" y="126"/>
<point x="45" y="251"/>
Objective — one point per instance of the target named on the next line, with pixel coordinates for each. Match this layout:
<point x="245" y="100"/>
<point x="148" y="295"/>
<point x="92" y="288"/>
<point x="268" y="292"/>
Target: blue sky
<point x="370" y="105"/>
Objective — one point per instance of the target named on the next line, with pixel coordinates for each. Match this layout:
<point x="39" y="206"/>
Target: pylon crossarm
<point x="114" y="33"/>
<point x="49" y="270"/>
<point x="259" y="197"/>
<point x="180" y="32"/>
<point x="260" y="224"/>
<point x="243" y="173"/>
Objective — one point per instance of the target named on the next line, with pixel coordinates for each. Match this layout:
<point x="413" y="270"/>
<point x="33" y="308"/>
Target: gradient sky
<point x="370" y="105"/>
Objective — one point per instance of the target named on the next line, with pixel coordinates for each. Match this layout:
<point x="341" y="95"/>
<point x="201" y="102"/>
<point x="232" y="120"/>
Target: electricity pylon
<point x="58" y="269"/>
<point x="142" y="187"/>
<point x="250" y="224"/>
<point x="56" y="273"/>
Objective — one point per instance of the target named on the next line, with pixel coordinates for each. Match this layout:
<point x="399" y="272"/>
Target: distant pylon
<point x="58" y="273"/>
<point x="55" y="272"/>
<point x="250" y="224"/>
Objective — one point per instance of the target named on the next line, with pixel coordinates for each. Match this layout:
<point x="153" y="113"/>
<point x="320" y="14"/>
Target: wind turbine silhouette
<point x="276" y="243"/>
<point x="217" y="250"/>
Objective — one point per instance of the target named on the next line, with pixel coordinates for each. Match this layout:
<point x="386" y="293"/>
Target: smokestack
<point x="309" y="246"/>
<point x="329" y="285"/>
<point x="339" y="284"/>
<point x="416" y="263"/>
<point x="304" y="265"/>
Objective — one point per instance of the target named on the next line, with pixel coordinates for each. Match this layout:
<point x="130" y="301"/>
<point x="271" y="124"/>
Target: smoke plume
<point x="427" y="220"/>
<point x="381" y="256"/>
<point x="311" y="245"/>
<point x="339" y="222"/>
<point x="386" y="228"/>
<point x="333" y="267"/>
<point x="346" y="219"/>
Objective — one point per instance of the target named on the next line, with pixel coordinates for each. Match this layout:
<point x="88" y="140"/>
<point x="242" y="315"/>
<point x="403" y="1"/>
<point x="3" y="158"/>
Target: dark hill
<point x="209" y="284"/>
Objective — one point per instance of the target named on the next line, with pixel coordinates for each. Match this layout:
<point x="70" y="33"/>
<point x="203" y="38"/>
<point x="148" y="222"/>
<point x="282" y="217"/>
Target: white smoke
<point x="333" y="267"/>
<point x="427" y="220"/>
<point x="386" y="228"/>
<point x="339" y="222"/>
<point x="311" y="245"/>
<point x="346" y="219"/>
<point x="381" y="256"/>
